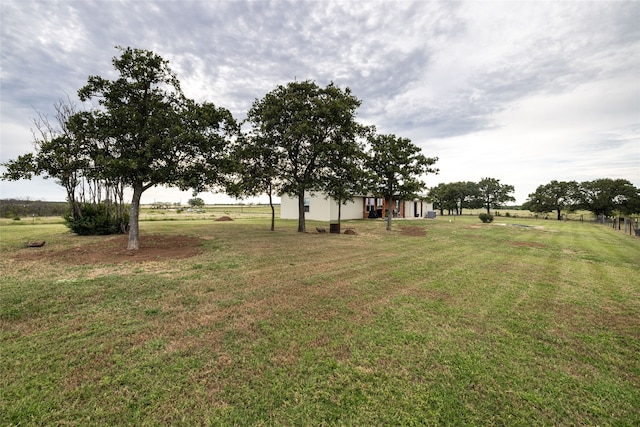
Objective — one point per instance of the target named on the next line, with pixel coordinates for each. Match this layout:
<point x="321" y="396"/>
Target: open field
<point x="149" y="214"/>
<point x="210" y="211"/>
<point x="225" y="323"/>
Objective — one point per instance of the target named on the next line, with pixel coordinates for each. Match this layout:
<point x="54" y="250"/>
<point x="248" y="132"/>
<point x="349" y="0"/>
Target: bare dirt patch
<point x="225" y="218"/>
<point x="113" y="249"/>
<point x="413" y="230"/>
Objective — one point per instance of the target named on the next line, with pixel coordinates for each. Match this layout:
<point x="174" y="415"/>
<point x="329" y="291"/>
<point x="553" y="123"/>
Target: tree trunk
<point x="389" y="213"/>
<point x="134" y="213"/>
<point x="301" y="224"/>
<point x="488" y="208"/>
<point x="273" y="211"/>
<point x="559" y="214"/>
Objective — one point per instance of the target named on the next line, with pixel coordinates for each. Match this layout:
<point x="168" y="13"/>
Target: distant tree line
<point x="454" y="197"/>
<point x="145" y="132"/>
<point x="14" y="208"/>
<point x="602" y="197"/>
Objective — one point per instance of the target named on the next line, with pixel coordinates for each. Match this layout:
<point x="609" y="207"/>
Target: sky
<point x="524" y="92"/>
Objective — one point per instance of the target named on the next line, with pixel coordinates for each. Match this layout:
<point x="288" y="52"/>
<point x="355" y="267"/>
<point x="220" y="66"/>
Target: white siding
<point x="352" y="210"/>
<point x="288" y="207"/>
<point x="326" y="209"/>
<point x="420" y="207"/>
<point x="320" y="208"/>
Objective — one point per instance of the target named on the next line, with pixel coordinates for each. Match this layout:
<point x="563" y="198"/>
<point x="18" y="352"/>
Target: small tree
<point x="255" y="169"/>
<point x="493" y="194"/>
<point x="396" y="166"/>
<point x="63" y="154"/>
<point x="345" y="174"/>
<point x="466" y="194"/>
<point x="442" y="197"/>
<point x="196" y="202"/>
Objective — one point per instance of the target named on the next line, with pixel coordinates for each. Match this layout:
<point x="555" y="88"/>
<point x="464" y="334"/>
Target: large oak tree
<point x="147" y="133"/>
<point x="554" y="196"/>
<point x="306" y="128"/>
<point x="607" y="196"/>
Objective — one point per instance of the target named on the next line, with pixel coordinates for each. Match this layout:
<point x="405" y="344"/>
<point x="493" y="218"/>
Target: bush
<point x="96" y="220"/>
<point x="485" y="217"/>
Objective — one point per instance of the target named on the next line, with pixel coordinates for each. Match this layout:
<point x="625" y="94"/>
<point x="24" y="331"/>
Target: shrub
<point x="485" y="217"/>
<point x="96" y="220"/>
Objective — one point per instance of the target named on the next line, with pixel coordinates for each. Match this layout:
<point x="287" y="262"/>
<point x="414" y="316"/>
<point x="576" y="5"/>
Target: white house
<point x="319" y="207"/>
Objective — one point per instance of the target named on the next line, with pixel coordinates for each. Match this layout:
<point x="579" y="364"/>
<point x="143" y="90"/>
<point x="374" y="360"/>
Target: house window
<point x="370" y="205"/>
<point x="307" y="202"/>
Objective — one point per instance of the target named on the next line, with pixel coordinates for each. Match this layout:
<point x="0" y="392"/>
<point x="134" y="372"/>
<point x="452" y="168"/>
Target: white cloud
<point x="547" y="137"/>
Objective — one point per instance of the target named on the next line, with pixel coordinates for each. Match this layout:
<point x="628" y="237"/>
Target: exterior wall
<point x="416" y="209"/>
<point x="320" y="209"/>
<point x="352" y="210"/>
<point x="326" y="209"/>
<point x="288" y="207"/>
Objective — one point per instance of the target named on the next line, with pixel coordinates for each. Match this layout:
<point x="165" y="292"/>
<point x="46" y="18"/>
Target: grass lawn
<point x="519" y="322"/>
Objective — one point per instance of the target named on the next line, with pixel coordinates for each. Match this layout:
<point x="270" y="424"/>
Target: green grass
<point x="433" y="323"/>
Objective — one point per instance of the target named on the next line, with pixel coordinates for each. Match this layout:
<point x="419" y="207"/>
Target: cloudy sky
<point x="525" y="92"/>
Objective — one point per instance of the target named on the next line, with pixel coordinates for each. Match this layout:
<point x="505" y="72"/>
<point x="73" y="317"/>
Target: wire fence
<point x="626" y="225"/>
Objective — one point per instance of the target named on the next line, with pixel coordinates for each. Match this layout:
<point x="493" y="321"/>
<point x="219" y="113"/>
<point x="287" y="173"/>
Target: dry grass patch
<point x="412" y="230"/>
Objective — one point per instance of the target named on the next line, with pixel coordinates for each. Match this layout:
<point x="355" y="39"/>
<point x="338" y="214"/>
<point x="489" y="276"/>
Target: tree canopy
<point x="607" y="196"/>
<point x="62" y="154"/>
<point x="255" y="169"/>
<point x="304" y="129"/>
<point x="555" y="196"/>
<point x="396" y="168"/>
<point x="494" y="194"/>
<point x="147" y="133"/>
<point x="195" y="202"/>
<point x="144" y="132"/>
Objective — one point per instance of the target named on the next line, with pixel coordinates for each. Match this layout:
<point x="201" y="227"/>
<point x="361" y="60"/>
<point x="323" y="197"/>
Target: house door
<point x="417" y="209"/>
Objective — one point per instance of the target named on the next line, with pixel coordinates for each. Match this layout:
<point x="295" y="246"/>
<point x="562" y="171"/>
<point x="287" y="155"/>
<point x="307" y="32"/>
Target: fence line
<point x="627" y="225"/>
